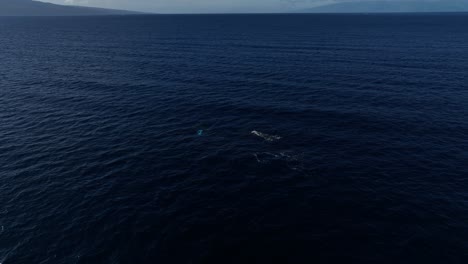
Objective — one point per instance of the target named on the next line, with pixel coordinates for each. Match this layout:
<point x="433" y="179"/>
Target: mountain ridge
<point x="36" y="8"/>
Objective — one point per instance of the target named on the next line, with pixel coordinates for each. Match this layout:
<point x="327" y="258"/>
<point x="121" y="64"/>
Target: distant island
<point x="36" y="8"/>
<point x="392" y="7"/>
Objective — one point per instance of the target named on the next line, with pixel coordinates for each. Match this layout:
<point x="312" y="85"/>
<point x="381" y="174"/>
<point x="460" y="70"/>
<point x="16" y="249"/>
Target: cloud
<point x="77" y="2"/>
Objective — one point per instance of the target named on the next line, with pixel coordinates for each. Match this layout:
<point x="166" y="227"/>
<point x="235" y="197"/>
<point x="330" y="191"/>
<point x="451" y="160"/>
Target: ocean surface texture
<point x="234" y="139"/>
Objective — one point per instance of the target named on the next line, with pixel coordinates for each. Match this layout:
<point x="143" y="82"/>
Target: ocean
<point x="234" y="139"/>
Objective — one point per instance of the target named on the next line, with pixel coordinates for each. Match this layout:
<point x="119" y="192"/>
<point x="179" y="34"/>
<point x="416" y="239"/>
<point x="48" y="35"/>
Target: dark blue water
<point x="128" y="139"/>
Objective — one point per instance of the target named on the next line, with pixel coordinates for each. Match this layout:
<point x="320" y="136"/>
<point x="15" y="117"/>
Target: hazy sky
<point x="191" y="6"/>
<point x="209" y="6"/>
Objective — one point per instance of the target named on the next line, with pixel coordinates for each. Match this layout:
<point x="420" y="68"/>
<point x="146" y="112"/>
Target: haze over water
<point x="129" y="139"/>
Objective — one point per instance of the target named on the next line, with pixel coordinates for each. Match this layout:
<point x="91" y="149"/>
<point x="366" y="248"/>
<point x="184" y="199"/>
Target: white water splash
<point x="265" y="136"/>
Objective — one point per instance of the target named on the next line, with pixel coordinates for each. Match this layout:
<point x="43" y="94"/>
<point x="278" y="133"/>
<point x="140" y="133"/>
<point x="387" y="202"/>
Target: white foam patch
<point x="265" y="136"/>
<point x="293" y="161"/>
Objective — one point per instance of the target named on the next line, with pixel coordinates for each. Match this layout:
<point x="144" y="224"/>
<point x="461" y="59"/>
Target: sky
<point x="208" y="6"/>
<point x="197" y="6"/>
